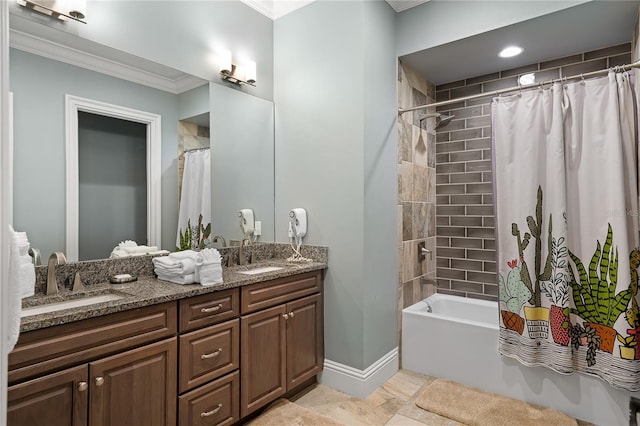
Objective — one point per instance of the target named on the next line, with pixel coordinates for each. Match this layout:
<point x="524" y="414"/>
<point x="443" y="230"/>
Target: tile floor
<point x="393" y="404"/>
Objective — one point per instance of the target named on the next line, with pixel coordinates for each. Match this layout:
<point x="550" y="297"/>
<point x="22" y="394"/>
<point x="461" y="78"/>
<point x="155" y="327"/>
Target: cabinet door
<point x="304" y="340"/>
<point x="136" y="388"/>
<point x="263" y="354"/>
<point x="57" y="399"/>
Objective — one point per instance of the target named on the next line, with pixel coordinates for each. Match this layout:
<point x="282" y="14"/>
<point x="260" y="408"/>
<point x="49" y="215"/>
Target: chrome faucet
<point x="241" y="256"/>
<point x="55" y="259"/>
<point x="220" y="238"/>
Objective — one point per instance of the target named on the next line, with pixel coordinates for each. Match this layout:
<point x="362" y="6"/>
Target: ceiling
<point x="275" y="9"/>
<point x="588" y="26"/>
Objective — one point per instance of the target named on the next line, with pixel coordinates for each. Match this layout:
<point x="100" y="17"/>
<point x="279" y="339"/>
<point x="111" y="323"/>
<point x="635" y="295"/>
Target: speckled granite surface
<point x="148" y="290"/>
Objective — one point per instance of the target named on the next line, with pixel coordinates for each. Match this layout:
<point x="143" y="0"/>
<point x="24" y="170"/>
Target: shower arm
<point x="619" y="68"/>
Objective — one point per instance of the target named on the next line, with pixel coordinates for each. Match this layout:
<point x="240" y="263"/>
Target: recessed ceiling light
<point x="510" y="51"/>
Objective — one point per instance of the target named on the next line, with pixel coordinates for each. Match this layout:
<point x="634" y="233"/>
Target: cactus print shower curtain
<point x="566" y="186"/>
<point x="194" y="218"/>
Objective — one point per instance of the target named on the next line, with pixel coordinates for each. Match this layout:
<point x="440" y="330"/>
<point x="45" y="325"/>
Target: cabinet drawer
<point x="209" y="353"/>
<point x="208" y="309"/>
<point x="213" y="404"/>
<point x="278" y="291"/>
<point x="46" y="350"/>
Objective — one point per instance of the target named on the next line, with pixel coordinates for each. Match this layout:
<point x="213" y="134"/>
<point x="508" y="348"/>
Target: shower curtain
<point x="194" y="219"/>
<point x="566" y="185"/>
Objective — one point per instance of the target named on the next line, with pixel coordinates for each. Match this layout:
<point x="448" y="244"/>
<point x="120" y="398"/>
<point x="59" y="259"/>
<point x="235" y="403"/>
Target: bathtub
<point x="457" y="338"/>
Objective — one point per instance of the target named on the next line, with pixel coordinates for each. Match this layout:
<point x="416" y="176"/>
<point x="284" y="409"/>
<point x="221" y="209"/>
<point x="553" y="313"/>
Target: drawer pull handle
<point x="83" y="386"/>
<point x="99" y="381"/>
<point x="212" y="309"/>
<point x="285" y="316"/>
<point x="291" y="314"/>
<point x="212" y="354"/>
<point x="212" y="412"/>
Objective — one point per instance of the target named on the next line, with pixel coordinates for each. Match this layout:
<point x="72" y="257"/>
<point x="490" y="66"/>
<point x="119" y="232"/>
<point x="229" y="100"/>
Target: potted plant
<point x="514" y="293"/>
<point x="627" y="350"/>
<point x="585" y="337"/>
<point x="556" y="290"/>
<point x="595" y="294"/>
<point x="633" y="313"/>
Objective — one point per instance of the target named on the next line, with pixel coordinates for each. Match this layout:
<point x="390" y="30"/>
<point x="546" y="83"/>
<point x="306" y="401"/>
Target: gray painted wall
<point x="39" y="86"/>
<point x="193" y="102"/>
<point x="241" y="135"/>
<point x="112" y="174"/>
<point x="334" y="147"/>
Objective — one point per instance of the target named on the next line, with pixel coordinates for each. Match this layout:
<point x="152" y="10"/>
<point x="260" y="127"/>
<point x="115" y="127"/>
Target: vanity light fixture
<point x="510" y="51"/>
<point x="59" y="9"/>
<point x="236" y="74"/>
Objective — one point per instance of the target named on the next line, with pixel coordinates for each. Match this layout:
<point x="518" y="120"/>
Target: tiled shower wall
<point x="190" y="136"/>
<point x="416" y="191"/>
<point x="466" y="256"/>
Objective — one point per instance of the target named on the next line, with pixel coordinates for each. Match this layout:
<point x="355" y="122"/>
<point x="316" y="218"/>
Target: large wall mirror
<point x="240" y="132"/>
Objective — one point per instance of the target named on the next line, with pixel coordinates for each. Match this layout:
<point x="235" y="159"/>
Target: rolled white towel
<point x="140" y="249"/>
<point x="117" y="253"/>
<point x="178" y="279"/>
<point x="210" y="273"/>
<point x="127" y="243"/>
<point x="210" y="255"/>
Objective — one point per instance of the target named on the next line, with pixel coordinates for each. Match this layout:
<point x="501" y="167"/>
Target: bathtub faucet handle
<point x="423" y="252"/>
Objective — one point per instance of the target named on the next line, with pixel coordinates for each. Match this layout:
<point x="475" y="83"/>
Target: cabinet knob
<point x="291" y="314"/>
<point x="285" y="316"/>
<point x="99" y="381"/>
<point x="211" y="309"/>
<point x="212" y="412"/>
<point x="212" y="354"/>
<point x="83" y="386"/>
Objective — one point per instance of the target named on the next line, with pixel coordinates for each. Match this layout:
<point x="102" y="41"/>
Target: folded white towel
<point x="178" y="279"/>
<point x="210" y="273"/>
<point x="168" y="266"/>
<point x="158" y="252"/>
<point x="140" y="249"/>
<point x="117" y="253"/>
<point x="185" y="254"/>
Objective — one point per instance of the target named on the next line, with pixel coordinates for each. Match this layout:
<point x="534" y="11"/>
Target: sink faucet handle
<point x="77" y="283"/>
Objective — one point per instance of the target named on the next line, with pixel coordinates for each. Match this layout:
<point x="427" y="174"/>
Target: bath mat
<point x="475" y="407"/>
<point x="283" y="412"/>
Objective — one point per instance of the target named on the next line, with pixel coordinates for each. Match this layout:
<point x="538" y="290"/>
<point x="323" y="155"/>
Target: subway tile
<point x="442" y="137"/>
<point x="442" y="158"/>
<point x="480" y="232"/>
<point x="479" y="121"/>
<point x="489" y="244"/>
<point x="452" y="292"/>
<point x="466" y="286"/>
<point x="480" y="101"/>
<point x="467" y="265"/>
<point x="488" y="222"/>
<point x="452" y="189"/>
<point x="608" y="51"/>
<point x="450" y="85"/>
<point x="454" y="253"/>
<point x="442" y="200"/>
<point x="455" y="125"/>
<point x="442" y="262"/>
<point x="478" y="166"/>
<point x="450" y="106"/>
<point x="484" y="277"/>
<point x="467" y="112"/>
<point x="482" y="297"/>
<point x="442" y="95"/>
<point x="450" y="210"/>
<point x="520" y="70"/>
<point x="478" y="144"/>
<point x="466" y="199"/>
<point x="490" y="289"/>
<point x="479" y="210"/>
<point x="503" y="83"/>
<point x="487" y="199"/>
<point x="451" y="273"/>
<point x="482" y="78"/>
<point x="475" y="188"/>
<point x="488" y="255"/>
<point x="486" y="132"/>
<point x="442" y="179"/>
<point x="450" y="231"/>
<point x="442" y="241"/>
<point x="450" y="146"/>
<point x="466" y="243"/>
<point x="449" y="168"/>
<point x="442" y="283"/>
<point x="619" y="60"/>
<point x="486" y="109"/>
<point x="547" y="75"/>
<point x="465" y="177"/>
<point x="460" y="135"/>
<point x="467" y="90"/>
<point x="465" y="156"/>
<point x="584" y="67"/>
<point x="442" y="221"/>
<point x="486" y="154"/>
<point x="466" y="221"/>
<point x="487" y="177"/>
<point x="554" y="63"/>
<point x="489" y="266"/>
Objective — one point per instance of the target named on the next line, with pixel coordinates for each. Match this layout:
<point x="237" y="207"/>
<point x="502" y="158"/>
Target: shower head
<point x="441" y="120"/>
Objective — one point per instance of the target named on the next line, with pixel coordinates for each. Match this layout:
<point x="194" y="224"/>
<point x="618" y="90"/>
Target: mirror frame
<point x="75" y="104"/>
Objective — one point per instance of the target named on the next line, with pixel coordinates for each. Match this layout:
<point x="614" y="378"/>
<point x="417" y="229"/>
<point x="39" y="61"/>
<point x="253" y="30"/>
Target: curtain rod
<point x="517" y="88"/>
<point x="196" y="149"/>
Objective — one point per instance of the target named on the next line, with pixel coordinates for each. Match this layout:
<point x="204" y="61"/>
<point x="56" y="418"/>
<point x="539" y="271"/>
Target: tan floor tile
<point x="319" y="396"/>
<point x="404" y="384"/>
<point x="400" y="420"/>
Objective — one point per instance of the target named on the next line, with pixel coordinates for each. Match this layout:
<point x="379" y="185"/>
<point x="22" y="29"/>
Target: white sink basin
<point x="261" y="270"/>
<point x="58" y="306"/>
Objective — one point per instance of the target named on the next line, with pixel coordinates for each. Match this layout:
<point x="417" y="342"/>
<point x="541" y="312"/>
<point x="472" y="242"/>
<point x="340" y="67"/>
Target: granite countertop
<point x="148" y="290"/>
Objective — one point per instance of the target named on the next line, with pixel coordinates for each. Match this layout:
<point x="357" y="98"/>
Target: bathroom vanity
<point x="170" y="354"/>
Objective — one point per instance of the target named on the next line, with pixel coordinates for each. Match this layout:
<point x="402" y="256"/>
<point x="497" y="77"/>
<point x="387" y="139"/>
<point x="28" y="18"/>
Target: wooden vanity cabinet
<point x="282" y="341"/>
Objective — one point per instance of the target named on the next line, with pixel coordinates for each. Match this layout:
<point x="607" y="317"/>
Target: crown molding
<point x="48" y="49"/>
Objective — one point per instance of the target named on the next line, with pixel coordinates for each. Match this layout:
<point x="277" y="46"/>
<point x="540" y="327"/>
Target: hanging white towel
<point x="22" y="279"/>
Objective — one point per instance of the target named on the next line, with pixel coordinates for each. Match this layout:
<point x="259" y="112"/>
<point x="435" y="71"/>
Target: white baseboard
<point x="359" y="383"/>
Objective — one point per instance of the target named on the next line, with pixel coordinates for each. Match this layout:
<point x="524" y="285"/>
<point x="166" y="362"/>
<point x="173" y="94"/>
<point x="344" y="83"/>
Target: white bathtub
<point x="457" y="338"/>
